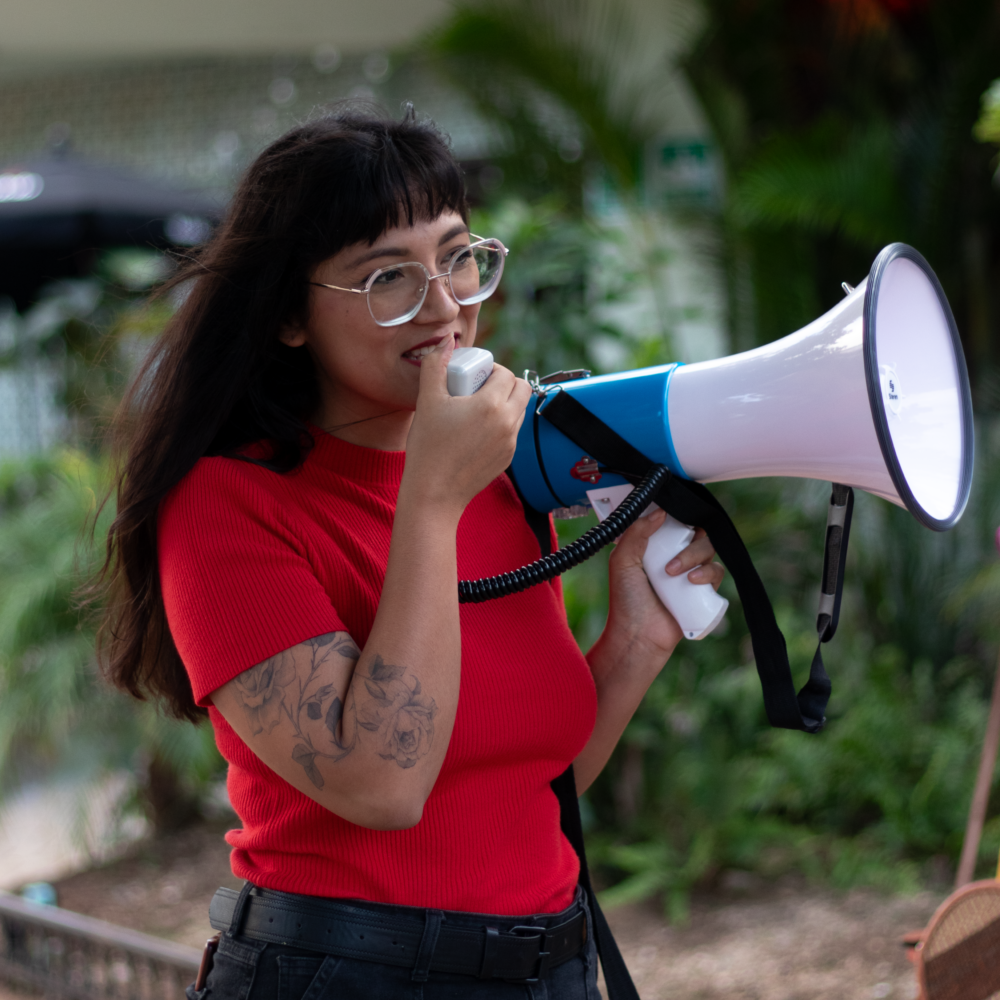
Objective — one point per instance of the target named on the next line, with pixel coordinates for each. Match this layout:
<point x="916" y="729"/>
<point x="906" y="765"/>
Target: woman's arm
<point x="637" y="641"/>
<point x="364" y="732"/>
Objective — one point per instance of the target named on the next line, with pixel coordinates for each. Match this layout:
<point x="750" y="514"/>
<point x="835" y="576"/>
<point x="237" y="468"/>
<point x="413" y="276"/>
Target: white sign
<point x="20" y="187"/>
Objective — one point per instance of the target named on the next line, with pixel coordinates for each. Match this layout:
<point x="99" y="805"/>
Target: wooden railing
<point x="64" y="954"/>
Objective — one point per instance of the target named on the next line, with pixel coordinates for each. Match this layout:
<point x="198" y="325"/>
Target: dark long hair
<point x="219" y="378"/>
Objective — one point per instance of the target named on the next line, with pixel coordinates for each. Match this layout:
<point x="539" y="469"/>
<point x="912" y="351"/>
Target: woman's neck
<point x="384" y="431"/>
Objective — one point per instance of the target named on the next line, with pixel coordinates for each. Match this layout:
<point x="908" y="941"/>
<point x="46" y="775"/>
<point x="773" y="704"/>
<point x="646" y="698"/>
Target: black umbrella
<point x="56" y="212"/>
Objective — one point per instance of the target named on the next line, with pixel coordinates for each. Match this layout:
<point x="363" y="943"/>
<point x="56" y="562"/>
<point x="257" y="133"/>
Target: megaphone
<point x="874" y="394"/>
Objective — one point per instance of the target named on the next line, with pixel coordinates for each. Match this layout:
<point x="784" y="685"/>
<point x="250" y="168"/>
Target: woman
<point x="298" y="498"/>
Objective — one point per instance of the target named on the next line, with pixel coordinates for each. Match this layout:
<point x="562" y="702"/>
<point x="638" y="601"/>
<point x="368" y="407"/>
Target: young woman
<point x="299" y="496"/>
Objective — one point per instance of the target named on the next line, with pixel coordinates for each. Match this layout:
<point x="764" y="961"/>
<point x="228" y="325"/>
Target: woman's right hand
<point x="457" y="445"/>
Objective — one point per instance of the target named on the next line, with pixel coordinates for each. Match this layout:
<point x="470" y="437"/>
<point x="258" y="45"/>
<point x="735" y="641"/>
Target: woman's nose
<point x="440" y="305"/>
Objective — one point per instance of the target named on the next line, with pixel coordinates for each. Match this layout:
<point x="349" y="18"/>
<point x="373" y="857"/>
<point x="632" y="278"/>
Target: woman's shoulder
<point x="218" y="485"/>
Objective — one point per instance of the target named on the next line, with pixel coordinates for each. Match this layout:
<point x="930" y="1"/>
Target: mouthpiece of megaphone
<point x="873" y="394"/>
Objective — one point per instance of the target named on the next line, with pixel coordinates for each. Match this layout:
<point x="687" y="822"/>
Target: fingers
<point x="434" y="367"/>
<point x="696" y="561"/>
<point x="520" y="395"/>
<point x="632" y="544"/>
<point x="500" y="383"/>
<point x="508" y="391"/>
<point x="712" y="573"/>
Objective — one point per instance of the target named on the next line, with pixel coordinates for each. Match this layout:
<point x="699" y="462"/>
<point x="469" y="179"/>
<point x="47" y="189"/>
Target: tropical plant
<point x="574" y="293"/>
<point x="566" y="88"/>
<point x="843" y="126"/>
<point x="57" y="716"/>
<point x="87" y="334"/>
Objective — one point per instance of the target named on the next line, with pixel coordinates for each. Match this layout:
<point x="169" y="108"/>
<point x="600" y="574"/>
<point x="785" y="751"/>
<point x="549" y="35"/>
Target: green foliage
<point x="568" y="297"/>
<point x="987" y="128"/>
<point x="843" y="132"/>
<point x="56" y="714"/>
<point x="829" y="180"/>
<point x="557" y="87"/>
<point x="90" y="332"/>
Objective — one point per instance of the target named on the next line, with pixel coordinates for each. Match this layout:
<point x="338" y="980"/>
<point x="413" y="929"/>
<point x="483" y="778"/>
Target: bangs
<point x="375" y="174"/>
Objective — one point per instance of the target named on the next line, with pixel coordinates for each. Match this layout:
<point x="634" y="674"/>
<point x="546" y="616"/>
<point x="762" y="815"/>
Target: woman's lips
<point x="415" y="354"/>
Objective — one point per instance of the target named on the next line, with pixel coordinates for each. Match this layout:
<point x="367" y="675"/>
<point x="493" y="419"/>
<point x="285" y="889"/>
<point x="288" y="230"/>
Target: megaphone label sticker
<point x="891" y="392"/>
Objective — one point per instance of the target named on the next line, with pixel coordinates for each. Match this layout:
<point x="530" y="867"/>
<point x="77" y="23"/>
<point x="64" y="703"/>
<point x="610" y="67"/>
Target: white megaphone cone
<point x="873" y="394"/>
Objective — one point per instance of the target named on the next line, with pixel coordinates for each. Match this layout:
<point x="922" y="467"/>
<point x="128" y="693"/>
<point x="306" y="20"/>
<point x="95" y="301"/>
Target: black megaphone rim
<point x="882" y="261"/>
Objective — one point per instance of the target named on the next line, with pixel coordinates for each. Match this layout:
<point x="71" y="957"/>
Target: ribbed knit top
<point x="253" y="562"/>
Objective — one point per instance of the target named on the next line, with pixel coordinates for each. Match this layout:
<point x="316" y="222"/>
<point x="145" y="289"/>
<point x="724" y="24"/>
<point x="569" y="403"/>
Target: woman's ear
<point x="292" y="336"/>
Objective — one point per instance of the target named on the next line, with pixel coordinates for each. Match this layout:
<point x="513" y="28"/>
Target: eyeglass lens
<point x="399" y="291"/>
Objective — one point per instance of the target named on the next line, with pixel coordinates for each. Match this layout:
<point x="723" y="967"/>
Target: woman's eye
<point x="462" y="257"/>
<point x="389" y="277"/>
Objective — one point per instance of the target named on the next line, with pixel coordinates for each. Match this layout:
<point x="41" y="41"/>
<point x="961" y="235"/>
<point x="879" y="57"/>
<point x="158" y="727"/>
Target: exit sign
<point x="682" y="172"/>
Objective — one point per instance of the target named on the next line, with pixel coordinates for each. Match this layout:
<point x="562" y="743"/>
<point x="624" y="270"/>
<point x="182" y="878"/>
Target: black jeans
<point x="247" y="969"/>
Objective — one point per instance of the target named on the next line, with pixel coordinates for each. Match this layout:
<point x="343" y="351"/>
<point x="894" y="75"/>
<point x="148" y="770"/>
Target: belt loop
<point x="488" y="969"/>
<point x="428" y="942"/>
<point x="239" y="909"/>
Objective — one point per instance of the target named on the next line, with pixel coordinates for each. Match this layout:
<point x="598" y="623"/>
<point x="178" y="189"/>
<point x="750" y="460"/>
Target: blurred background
<point x="677" y="180"/>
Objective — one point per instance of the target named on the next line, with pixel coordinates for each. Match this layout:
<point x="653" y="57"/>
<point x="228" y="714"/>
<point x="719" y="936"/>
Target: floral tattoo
<point x="397" y="713"/>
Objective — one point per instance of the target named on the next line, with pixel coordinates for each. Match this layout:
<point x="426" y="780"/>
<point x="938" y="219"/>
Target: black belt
<point x="393" y="936"/>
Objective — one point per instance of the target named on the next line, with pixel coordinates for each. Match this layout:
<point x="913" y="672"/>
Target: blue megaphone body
<point x="550" y="470"/>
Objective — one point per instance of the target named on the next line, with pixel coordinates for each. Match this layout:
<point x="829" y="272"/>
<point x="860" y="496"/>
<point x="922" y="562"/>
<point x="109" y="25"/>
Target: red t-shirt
<point x="253" y="562"/>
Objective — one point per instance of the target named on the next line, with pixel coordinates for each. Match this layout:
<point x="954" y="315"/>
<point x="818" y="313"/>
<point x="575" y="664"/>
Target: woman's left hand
<point x="638" y="639"/>
<point x="635" y="613"/>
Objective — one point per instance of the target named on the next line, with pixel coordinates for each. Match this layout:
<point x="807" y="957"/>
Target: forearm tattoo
<point x="401" y="717"/>
<point x="395" y="710"/>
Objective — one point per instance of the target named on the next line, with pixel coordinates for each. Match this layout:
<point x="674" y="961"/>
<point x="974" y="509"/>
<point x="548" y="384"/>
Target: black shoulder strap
<point x="616" y="975"/>
<point x="537" y="520"/>
<point x="692" y="503"/>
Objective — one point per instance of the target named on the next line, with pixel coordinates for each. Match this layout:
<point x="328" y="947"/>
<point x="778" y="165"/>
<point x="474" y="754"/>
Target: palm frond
<point x="555" y="73"/>
<point x="803" y="184"/>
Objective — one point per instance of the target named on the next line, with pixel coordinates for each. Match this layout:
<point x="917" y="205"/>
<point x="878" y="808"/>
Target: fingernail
<point x="674" y="566"/>
<point x="696" y="576"/>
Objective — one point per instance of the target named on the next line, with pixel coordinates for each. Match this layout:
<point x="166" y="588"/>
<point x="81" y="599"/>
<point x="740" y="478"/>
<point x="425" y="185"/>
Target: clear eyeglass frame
<point x="481" y="295"/>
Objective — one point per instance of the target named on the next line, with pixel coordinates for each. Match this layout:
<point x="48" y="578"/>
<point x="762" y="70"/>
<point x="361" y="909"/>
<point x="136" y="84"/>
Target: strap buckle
<point x="544" y="955"/>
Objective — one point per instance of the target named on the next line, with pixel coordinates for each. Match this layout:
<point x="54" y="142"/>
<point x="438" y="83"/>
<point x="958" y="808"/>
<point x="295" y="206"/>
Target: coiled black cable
<point x="587" y="545"/>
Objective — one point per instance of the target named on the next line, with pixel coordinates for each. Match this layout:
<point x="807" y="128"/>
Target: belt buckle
<point x="524" y="930"/>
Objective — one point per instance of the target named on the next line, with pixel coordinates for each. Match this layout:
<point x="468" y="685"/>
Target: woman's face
<point x="367" y="370"/>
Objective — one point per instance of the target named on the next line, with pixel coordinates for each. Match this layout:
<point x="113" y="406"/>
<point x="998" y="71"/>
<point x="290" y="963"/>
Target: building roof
<point x="39" y="33"/>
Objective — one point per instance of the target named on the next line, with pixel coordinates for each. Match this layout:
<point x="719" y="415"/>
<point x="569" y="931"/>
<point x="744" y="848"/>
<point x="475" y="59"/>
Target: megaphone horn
<point x="873" y="394"/>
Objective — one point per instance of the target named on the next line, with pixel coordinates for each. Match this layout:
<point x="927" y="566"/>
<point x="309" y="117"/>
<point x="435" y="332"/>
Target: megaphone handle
<point x="696" y="606"/>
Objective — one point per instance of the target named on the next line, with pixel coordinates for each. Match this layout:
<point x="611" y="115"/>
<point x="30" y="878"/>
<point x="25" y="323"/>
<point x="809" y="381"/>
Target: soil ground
<point x="748" y="940"/>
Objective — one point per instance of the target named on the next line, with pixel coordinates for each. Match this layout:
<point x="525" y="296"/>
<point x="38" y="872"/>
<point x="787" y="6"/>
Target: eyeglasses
<point x="395" y="294"/>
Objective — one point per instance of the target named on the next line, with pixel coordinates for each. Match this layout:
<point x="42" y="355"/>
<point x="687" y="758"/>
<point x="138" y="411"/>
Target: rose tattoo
<point x="305" y="697"/>
<point x="261" y="690"/>
<point x="400" y="716"/>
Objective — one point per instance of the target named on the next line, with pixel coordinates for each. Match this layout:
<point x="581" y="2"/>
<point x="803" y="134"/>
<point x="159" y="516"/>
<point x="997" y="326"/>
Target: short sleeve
<point x="237" y="586"/>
